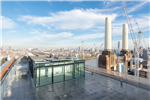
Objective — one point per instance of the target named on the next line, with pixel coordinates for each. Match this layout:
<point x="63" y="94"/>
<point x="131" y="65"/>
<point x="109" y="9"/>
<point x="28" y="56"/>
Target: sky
<point x="63" y="24"/>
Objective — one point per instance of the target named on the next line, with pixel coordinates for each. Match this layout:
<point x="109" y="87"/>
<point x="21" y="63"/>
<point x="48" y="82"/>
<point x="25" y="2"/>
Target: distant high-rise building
<point x="79" y="48"/>
<point x="118" y="45"/>
<point x="68" y="48"/>
<point x="10" y="48"/>
<point x="61" y="49"/>
<point x="92" y="49"/>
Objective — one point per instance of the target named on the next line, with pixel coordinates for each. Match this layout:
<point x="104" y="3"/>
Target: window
<point x="58" y="73"/>
<point x="77" y="71"/>
<point x="81" y="65"/>
<point x="68" y="72"/>
<point x="45" y="75"/>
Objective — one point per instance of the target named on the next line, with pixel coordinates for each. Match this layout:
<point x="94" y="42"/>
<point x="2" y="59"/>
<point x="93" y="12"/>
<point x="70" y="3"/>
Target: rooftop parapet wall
<point x="3" y="72"/>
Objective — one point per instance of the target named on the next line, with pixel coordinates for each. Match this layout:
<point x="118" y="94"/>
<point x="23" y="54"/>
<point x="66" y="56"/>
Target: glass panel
<point x="48" y="64"/>
<point x="58" y="63"/>
<point x="77" y="71"/>
<point x="68" y="72"/>
<point x="71" y="61"/>
<point x="79" y="60"/>
<point x="43" y="64"/>
<point x="58" y="72"/>
<point x="45" y="75"/>
<point x="67" y="62"/>
<point x="37" y="77"/>
<point x="0" y="93"/>
<point x="81" y="65"/>
<point x="61" y="63"/>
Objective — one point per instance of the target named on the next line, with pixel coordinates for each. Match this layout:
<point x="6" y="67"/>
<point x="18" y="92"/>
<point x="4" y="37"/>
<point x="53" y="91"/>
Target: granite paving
<point x="97" y="87"/>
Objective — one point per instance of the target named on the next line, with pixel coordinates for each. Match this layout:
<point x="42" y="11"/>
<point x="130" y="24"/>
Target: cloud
<point x="89" y="36"/>
<point x="12" y="31"/>
<point x="71" y="20"/>
<point x="142" y="20"/>
<point x="75" y="0"/>
<point x="36" y="38"/>
<point x="57" y="36"/>
<point x="47" y="43"/>
<point x="137" y="6"/>
<point x="7" y="23"/>
<point x="49" y="2"/>
<point x="23" y="28"/>
<point x="34" y="32"/>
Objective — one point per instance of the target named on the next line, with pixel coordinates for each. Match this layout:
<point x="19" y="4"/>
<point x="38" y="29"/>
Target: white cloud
<point x="137" y="6"/>
<point x="23" y="28"/>
<point x="57" y="36"/>
<point x="43" y="36"/>
<point x="34" y="32"/>
<point x="12" y="31"/>
<point x="89" y="36"/>
<point x="75" y="0"/>
<point x="142" y="20"/>
<point x="71" y="20"/>
<point x="7" y="23"/>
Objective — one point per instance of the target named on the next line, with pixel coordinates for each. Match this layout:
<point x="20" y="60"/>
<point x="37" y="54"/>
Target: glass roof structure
<point x="46" y="71"/>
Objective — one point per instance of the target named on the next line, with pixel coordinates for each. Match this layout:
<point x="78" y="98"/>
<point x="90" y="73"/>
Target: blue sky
<point x="51" y="24"/>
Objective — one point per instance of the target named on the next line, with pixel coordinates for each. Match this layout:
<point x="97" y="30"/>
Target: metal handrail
<point x="1" y="81"/>
<point x="5" y="64"/>
<point x="123" y="76"/>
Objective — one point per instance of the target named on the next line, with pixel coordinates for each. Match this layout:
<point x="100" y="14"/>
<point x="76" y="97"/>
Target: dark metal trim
<point x="39" y="76"/>
<point x="64" y="72"/>
<point x="58" y="61"/>
<point x="52" y="75"/>
<point x="73" y="71"/>
<point x="35" y="77"/>
<point x="84" y="69"/>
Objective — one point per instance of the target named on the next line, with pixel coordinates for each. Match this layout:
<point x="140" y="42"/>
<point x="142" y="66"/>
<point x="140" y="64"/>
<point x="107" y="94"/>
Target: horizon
<point x="66" y="24"/>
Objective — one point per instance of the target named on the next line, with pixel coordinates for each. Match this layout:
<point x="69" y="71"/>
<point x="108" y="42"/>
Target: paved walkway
<point x="88" y="88"/>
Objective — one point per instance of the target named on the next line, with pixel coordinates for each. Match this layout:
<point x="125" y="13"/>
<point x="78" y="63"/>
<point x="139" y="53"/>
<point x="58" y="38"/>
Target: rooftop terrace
<point x="98" y="87"/>
<point x="40" y="57"/>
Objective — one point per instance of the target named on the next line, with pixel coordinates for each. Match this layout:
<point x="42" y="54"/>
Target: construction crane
<point x="98" y="53"/>
<point x="100" y="46"/>
<point x="136" y="42"/>
<point x="140" y="35"/>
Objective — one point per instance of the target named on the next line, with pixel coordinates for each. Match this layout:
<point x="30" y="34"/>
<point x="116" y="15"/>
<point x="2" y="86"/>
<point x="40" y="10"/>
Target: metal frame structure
<point x="52" y="66"/>
<point x="136" y="42"/>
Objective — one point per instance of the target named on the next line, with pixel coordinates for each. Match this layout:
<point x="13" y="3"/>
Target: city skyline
<point x="67" y="24"/>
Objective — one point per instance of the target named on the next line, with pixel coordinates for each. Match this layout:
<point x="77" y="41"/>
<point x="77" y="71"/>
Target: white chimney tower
<point x="125" y="37"/>
<point x="108" y="34"/>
